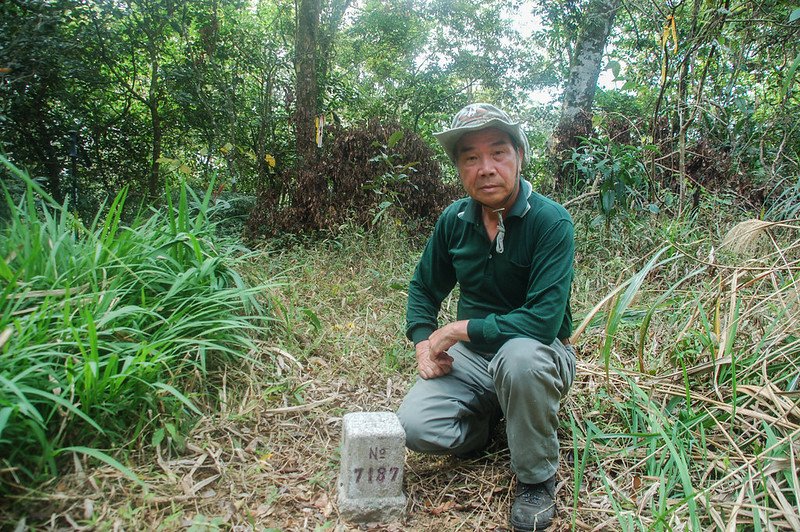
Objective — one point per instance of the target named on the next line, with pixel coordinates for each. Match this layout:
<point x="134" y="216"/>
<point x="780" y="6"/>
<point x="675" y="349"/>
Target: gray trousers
<point x="524" y="381"/>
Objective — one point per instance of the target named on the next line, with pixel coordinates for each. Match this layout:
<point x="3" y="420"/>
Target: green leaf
<point x="312" y="317"/>
<point x="5" y="414"/>
<point x="676" y="454"/>
<point x="158" y="437"/>
<point x="795" y="14"/>
<point x="103" y="457"/>
<point x="790" y="77"/>
<point x="5" y="271"/>
<point x="394" y="138"/>
<point x="178" y="395"/>
<point x="24" y="406"/>
<point x="614" y="66"/>
<point x="29" y="182"/>
<point x="607" y="200"/>
<point x="66" y="404"/>
<point x="621" y="305"/>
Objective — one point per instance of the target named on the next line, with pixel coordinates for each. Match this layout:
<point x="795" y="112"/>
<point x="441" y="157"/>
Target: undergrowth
<point x="687" y="415"/>
<point x="685" y="412"/>
<point x="108" y="331"/>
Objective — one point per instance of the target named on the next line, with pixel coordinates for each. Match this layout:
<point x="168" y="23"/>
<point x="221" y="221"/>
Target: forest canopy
<point x="97" y="95"/>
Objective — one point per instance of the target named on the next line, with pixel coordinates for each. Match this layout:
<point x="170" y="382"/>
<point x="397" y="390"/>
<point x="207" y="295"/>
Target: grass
<point x="705" y="430"/>
<point x="685" y="413"/>
<point x="109" y="330"/>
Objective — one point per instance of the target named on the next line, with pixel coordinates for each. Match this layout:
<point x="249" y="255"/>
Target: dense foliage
<point x="713" y="86"/>
<point x="105" y="329"/>
<point x="154" y="88"/>
<point x="367" y="172"/>
<point x="97" y="95"/>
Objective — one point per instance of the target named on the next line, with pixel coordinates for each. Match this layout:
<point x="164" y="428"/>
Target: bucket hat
<point x="475" y="117"/>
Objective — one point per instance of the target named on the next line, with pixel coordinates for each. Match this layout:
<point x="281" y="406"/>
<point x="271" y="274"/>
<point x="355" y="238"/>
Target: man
<point x="511" y="251"/>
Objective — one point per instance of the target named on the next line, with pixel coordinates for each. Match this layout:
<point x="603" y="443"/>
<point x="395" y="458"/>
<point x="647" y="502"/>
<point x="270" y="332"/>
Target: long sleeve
<point x="433" y="280"/>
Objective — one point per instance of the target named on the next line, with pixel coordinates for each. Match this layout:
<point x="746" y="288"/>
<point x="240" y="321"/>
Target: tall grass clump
<point x="693" y="420"/>
<point x="108" y="330"/>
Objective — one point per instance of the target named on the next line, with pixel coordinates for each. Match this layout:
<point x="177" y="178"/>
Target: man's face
<point x="488" y="165"/>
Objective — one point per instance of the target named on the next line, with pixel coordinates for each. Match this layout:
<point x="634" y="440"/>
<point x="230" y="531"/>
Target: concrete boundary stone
<point x="371" y="473"/>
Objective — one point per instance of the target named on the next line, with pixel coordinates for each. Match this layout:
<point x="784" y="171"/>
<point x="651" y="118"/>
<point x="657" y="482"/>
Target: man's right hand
<point x="431" y="366"/>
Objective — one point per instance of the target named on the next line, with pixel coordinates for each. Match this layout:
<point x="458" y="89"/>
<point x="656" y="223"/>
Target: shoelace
<point x="533" y="496"/>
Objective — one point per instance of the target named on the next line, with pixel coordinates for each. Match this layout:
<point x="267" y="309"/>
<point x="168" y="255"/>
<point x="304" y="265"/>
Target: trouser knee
<point x="533" y="364"/>
<point x="450" y="414"/>
<point x="428" y="430"/>
<point x="417" y="433"/>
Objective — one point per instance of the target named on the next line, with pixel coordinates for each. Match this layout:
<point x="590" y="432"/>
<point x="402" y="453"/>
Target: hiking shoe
<point x="534" y="505"/>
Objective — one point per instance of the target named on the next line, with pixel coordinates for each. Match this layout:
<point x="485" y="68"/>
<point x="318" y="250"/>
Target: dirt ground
<point x="257" y="465"/>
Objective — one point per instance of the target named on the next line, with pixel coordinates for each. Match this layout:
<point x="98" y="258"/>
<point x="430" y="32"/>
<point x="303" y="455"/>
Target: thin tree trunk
<point x="155" y="119"/>
<point x="306" y="83"/>
<point x="683" y="106"/>
<point x="585" y="68"/>
<point x="687" y="113"/>
<point x="262" y="133"/>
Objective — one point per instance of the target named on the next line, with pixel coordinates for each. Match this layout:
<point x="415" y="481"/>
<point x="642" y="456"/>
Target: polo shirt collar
<point x="472" y="212"/>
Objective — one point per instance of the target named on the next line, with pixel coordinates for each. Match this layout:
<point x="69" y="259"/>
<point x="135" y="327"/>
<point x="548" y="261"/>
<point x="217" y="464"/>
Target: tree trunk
<point x="265" y="181"/>
<point x="587" y="62"/>
<point x="306" y="89"/>
<point x="153" y="181"/>
<point x="688" y="108"/>
<point x="329" y="27"/>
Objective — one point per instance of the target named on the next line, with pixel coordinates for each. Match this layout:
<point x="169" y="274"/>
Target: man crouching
<point x="511" y="251"/>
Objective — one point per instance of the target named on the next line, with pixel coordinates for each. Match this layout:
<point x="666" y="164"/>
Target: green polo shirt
<point x="522" y="292"/>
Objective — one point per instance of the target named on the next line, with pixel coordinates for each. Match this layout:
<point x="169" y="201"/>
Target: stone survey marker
<point x="371" y="474"/>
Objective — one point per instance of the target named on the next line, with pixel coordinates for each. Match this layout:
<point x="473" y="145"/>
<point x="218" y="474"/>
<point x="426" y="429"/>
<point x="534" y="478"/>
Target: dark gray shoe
<point x="534" y="505"/>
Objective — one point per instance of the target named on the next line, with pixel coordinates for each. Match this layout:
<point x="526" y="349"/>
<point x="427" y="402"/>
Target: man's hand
<point x="429" y="365"/>
<point x="432" y="358"/>
<point x="443" y="339"/>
